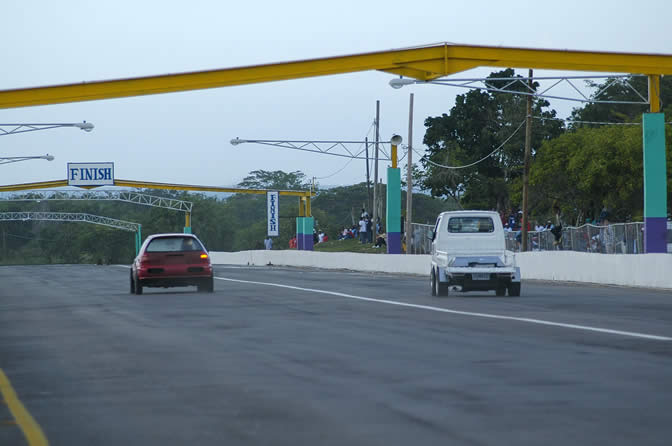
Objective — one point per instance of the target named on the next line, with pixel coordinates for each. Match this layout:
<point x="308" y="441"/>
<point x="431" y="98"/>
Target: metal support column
<point x="655" y="183"/>
<point x="187" y="222"/>
<point x="393" y="206"/>
<point x="655" y="173"/>
<point x="138" y="239"/>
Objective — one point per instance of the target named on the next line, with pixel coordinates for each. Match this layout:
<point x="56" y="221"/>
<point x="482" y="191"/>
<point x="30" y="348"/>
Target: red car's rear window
<point x="174" y="244"/>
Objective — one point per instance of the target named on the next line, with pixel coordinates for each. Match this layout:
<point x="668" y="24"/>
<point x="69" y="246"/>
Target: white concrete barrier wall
<point x="641" y="270"/>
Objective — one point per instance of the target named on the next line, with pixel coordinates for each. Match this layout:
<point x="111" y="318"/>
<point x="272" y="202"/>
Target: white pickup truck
<point x="469" y="254"/>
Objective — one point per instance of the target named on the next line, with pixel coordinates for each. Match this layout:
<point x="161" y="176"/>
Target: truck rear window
<point x="173" y="244"/>
<point x="468" y="225"/>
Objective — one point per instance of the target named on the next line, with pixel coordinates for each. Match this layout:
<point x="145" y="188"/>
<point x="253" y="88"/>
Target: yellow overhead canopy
<point x="422" y="63"/>
<point x="151" y="185"/>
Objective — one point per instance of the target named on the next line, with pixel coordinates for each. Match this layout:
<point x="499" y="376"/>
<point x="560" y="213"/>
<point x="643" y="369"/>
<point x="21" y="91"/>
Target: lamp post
<point x="340" y="148"/>
<point x="393" y="205"/>
<point x="13" y="129"/>
<point x="16" y="159"/>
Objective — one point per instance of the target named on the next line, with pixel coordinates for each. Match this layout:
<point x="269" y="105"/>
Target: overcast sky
<point x="184" y="137"/>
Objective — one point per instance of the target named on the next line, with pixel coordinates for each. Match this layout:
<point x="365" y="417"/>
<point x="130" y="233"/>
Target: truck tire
<point x="441" y="287"/>
<point x="514" y="289"/>
<point x="432" y="282"/>
<point x="500" y="290"/>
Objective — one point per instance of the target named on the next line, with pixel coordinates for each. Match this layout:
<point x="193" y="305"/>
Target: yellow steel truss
<point x="423" y="63"/>
<point x="304" y="196"/>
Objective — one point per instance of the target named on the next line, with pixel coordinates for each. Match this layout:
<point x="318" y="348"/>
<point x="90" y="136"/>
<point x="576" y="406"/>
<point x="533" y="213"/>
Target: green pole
<point x="138" y="239"/>
<point x="655" y="183"/>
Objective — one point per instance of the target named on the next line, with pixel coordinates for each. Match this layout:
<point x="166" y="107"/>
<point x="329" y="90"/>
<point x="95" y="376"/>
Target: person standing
<point x="362" y="231"/>
<point x="268" y="243"/>
<point x="369" y="230"/>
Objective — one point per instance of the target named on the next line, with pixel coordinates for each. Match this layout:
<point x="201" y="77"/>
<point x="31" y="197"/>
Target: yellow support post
<point x="308" y="212"/>
<point x="302" y="208"/>
<point x="394" y="156"/>
<point x="654" y="93"/>
<point x="187" y="222"/>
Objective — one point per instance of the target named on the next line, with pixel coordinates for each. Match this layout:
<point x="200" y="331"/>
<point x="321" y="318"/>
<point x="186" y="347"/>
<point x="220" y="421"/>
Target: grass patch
<point x="349" y="245"/>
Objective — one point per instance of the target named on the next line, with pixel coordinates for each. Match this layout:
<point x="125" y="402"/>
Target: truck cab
<point x="469" y="254"/>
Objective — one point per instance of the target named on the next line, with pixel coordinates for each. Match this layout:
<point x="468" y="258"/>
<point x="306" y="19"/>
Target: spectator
<point x="556" y="230"/>
<point x="369" y="230"/>
<point x="380" y="241"/>
<point x="362" y="231"/>
<point x="320" y="237"/>
<point x="604" y="215"/>
<point x="292" y="243"/>
<point x="268" y="243"/>
<point x="364" y="214"/>
<point x="607" y="236"/>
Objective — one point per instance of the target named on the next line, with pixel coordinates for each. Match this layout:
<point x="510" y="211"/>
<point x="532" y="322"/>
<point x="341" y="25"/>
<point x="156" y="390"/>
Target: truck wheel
<point x="432" y="282"/>
<point x="441" y="287"/>
<point x="500" y="290"/>
<point x="132" y="284"/>
<point x="514" y="289"/>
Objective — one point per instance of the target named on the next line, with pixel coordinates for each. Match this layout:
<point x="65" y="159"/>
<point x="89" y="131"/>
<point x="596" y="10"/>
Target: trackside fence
<point x="617" y="238"/>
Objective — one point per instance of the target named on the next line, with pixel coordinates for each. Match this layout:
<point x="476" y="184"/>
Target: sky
<point x="184" y="137"/>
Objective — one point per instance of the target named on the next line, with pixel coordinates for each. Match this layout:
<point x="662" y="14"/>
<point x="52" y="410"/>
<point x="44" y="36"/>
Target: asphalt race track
<point x="330" y="358"/>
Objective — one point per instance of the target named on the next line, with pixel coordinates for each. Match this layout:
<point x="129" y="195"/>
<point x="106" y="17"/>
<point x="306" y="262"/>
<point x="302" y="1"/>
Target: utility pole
<point x="409" y="180"/>
<point x="375" y="173"/>
<point x="368" y="177"/>
<point x="526" y="171"/>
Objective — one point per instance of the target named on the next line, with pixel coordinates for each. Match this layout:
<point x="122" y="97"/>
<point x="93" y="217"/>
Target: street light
<point x="24" y="128"/>
<point x="397" y="83"/>
<point x="16" y="159"/>
<point x="332" y="148"/>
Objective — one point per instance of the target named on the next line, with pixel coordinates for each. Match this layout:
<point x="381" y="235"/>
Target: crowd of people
<point x="513" y="222"/>
<point x="362" y="231"/>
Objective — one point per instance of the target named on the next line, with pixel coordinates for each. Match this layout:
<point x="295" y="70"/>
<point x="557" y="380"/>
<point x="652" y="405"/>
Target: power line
<point x="476" y="162"/>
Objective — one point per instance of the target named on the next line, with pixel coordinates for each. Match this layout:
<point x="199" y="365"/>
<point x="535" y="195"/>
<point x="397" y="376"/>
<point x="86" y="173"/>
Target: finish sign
<point x="90" y="174"/>
<point x="272" y="212"/>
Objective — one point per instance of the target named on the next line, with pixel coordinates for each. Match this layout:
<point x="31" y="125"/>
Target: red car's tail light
<point x="204" y="256"/>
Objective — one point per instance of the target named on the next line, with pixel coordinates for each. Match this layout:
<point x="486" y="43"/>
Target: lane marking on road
<point x="462" y="313"/>
<point x="31" y="430"/>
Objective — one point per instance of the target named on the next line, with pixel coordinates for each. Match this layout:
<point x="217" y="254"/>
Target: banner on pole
<point x="272" y="208"/>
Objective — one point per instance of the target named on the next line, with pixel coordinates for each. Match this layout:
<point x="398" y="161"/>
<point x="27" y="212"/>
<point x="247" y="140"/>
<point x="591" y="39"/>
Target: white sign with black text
<point x="90" y="174"/>
<point x="273" y="211"/>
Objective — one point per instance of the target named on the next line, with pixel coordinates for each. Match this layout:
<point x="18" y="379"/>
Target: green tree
<point x="582" y="171"/>
<point x="275" y="180"/>
<point x="480" y="122"/>
<point x="618" y="89"/>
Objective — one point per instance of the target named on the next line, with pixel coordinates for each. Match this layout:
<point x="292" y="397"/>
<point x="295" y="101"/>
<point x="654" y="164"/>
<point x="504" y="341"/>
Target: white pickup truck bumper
<point x="479" y="278"/>
<point x="513" y="272"/>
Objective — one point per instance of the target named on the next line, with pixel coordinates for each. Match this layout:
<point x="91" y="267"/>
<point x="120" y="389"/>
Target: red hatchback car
<point x="169" y="260"/>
